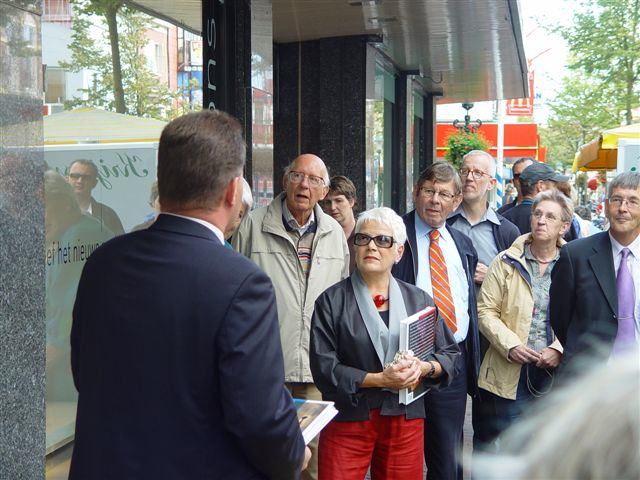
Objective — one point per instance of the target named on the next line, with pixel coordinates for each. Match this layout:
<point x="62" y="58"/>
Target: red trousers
<point x="393" y="446"/>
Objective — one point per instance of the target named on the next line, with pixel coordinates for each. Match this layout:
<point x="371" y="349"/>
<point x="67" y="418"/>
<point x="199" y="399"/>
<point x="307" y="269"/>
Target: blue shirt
<point x="457" y="276"/>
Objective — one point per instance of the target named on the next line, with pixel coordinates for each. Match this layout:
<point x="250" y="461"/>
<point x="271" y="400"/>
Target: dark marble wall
<point x="22" y="243"/>
<point x="320" y="106"/>
<point x="399" y="147"/>
<point x="430" y="141"/>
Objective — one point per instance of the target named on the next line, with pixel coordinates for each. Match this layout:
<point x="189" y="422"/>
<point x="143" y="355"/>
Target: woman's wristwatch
<point x="432" y="371"/>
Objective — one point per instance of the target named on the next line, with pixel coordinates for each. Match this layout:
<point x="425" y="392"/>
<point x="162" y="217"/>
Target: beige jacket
<point x="505" y="308"/>
<point x="263" y="238"/>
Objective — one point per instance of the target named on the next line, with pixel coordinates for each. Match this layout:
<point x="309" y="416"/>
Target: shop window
<point x="379" y="130"/>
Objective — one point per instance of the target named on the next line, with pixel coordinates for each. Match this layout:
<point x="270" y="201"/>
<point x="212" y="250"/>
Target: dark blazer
<point x="341" y="354"/>
<point x="507" y="206"/>
<point x="520" y="215"/>
<point x="583" y="306"/>
<point x="107" y="216"/>
<point x="175" y="352"/>
<point x="407" y="270"/>
<point x="504" y="234"/>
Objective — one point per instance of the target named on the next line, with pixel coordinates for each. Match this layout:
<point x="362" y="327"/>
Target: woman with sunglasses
<point x="354" y="334"/>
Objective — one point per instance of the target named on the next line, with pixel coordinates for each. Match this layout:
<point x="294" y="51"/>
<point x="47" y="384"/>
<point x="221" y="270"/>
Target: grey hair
<point x="247" y="196"/>
<point x="625" y="180"/>
<point x="325" y="176"/>
<point x="589" y="428"/>
<point x="487" y="155"/>
<point x="386" y="216"/>
<point x="553" y="195"/>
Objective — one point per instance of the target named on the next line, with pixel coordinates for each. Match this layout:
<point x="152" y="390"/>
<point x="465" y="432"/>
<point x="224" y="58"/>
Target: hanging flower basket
<point x="461" y="143"/>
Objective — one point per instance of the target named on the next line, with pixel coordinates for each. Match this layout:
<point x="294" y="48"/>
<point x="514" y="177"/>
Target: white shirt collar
<point x="617" y="247"/>
<point x="218" y="233"/>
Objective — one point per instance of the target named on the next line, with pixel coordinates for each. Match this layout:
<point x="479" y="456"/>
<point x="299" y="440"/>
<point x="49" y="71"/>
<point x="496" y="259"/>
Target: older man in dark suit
<point x="442" y="261"/>
<point x="595" y="296"/>
<point x="175" y="345"/>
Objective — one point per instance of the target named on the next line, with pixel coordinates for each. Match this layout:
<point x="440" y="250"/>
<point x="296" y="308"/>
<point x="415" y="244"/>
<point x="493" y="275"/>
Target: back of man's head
<point x="199" y="154"/>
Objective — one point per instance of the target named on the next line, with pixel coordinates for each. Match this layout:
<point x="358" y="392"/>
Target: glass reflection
<point x="262" y="102"/>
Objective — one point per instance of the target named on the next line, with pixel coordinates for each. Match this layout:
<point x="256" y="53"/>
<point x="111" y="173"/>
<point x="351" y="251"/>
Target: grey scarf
<point x="385" y="340"/>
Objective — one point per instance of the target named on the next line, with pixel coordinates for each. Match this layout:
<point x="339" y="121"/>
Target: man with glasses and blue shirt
<point x="304" y="251"/>
<point x="490" y="234"/>
<point x="442" y="261"/>
<point x="594" y="304"/>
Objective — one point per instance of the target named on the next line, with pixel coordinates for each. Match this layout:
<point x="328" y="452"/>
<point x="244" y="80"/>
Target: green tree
<point x="579" y="112"/>
<point x="122" y="82"/>
<point x="604" y="44"/>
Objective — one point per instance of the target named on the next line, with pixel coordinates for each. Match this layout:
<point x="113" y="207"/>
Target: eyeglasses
<point x="78" y="176"/>
<point x="617" y="202"/>
<point x="550" y="217"/>
<point x="477" y="174"/>
<point x="443" y="194"/>
<point x="297" y="177"/>
<point x="382" y="241"/>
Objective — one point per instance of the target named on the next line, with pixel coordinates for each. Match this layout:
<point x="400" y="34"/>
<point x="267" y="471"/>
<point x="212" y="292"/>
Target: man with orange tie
<point x="442" y="261"/>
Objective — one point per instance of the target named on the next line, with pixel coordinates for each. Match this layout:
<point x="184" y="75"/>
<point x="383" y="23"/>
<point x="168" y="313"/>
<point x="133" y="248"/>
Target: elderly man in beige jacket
<point x="304" y="251"/>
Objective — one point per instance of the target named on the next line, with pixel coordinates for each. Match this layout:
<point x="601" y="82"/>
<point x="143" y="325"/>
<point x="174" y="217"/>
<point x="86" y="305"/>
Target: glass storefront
<point x="262" y="102"/>
<point x="415" y="134"/>
<point x="101" y="132"/>
<point x="379" y="111"/>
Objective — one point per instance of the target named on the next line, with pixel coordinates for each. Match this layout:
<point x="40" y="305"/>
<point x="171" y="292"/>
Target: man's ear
<point x="457" y="200"/>
<point x="231" y="196"/>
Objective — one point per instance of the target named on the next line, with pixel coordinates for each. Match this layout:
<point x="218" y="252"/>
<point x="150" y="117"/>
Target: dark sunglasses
<point x="382" y="241"/>
<point x="78" y="176"/>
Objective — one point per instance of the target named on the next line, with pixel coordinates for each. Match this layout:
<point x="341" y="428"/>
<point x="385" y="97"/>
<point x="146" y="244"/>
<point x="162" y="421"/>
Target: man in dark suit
<point x="534" y="179"/>
<point x="594" y="295"/>
<point x="516" y="169"/>
<point x="175" y="348"/>
<point x="436" y="194"/>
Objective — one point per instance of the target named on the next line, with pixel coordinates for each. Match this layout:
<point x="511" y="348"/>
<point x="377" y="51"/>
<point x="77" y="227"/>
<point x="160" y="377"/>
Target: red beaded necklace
<point x="379" y="300"/>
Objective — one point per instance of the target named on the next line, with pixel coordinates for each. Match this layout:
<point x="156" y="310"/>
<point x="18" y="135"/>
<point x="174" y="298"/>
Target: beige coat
<point x="263" y="238"/>
<point x="505" y="308"/>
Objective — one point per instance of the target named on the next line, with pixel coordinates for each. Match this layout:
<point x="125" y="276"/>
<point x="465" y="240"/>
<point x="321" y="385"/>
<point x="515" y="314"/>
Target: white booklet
<point x="418" y="334"/>
<point x="313" y="416"/>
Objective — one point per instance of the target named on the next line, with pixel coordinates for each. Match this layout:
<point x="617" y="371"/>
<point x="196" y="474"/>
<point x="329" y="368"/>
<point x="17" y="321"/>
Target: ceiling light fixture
<point x="382" y="20"/>
<point x="364" y="3"/>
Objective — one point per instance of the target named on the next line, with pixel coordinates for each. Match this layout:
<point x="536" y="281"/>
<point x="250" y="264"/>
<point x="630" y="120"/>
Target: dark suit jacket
<point x="407" y="270"/>
<point x="107" y="216"/>
<point x="507" y="206"/>
<point x="520" y="216"/>
<point x="583" y="306"/>
<point x="176" y="355"/>
<point x="341" y="354"/>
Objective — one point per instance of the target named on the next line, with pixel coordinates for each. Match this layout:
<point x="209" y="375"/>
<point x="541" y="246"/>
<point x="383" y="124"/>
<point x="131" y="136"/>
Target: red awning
<point x="520" y="139"/>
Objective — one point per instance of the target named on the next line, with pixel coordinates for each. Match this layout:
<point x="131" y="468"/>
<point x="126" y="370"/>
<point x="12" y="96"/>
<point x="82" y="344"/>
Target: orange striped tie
<point x="440" y="282"/>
